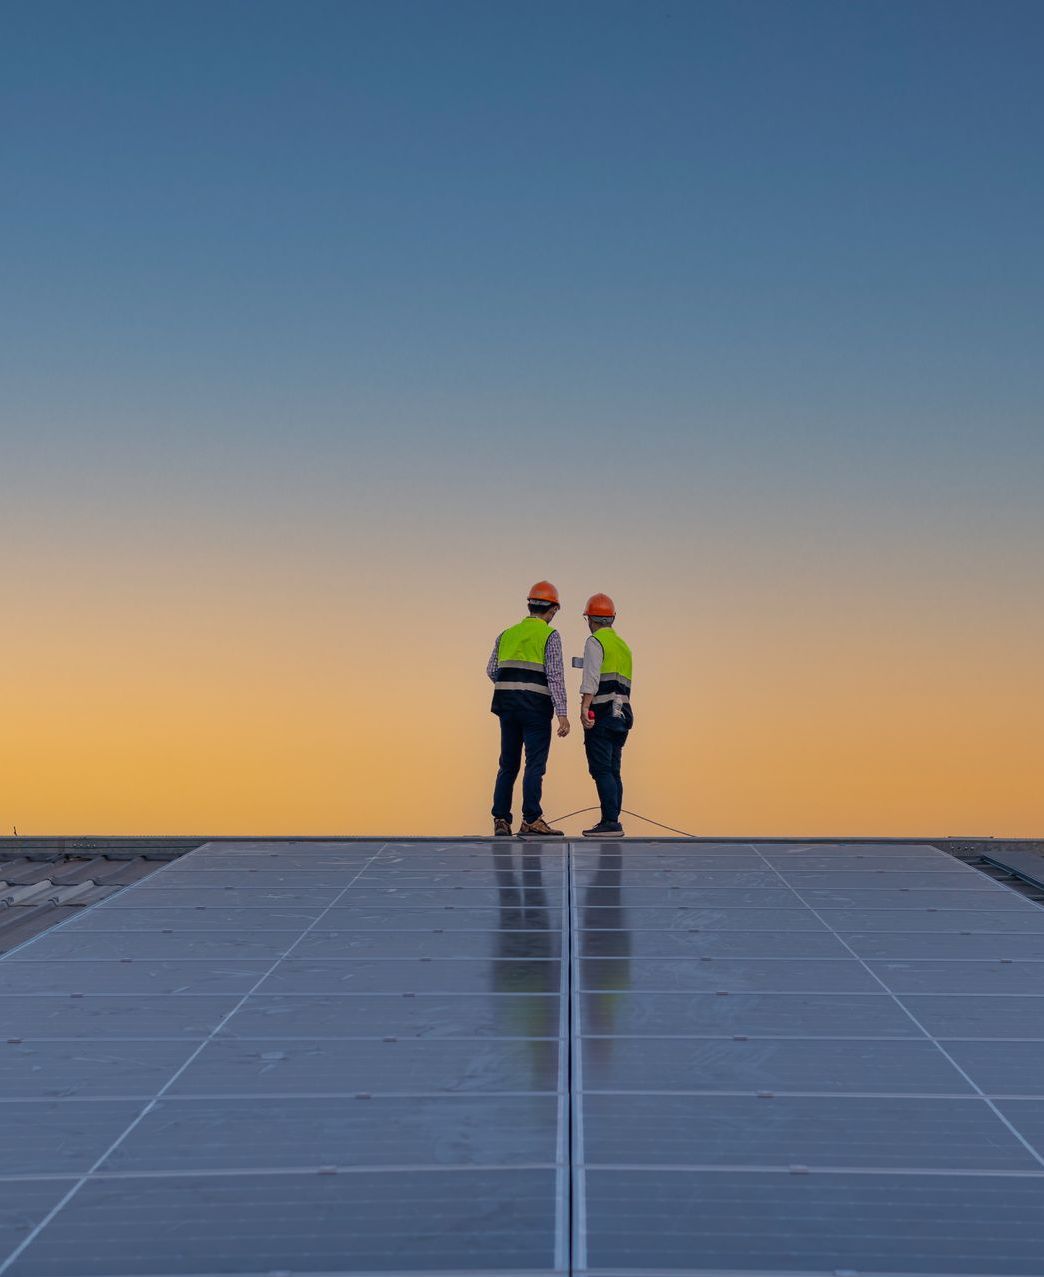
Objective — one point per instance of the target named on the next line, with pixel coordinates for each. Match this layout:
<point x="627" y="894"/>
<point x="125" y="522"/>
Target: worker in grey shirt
<point x="605" y="711"/>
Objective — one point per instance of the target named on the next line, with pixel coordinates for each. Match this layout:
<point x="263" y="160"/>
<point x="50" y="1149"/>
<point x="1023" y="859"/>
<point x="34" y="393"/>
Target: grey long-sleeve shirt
<point x="592" y="666"/>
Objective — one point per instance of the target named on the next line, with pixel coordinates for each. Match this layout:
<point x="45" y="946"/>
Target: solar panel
<point x="529" y="1058"/>
<point x="821" y="1077"/>
<point x="1020" y="864"/>
<point x="288" y="1057"/>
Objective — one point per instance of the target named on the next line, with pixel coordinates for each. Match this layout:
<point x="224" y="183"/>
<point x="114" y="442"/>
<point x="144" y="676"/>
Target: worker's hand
<point x="588" y="720"/>
<point x="563" y="725"/>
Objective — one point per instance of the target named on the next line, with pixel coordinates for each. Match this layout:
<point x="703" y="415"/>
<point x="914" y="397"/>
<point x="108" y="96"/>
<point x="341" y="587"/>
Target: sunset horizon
<point x="310" y="369"/>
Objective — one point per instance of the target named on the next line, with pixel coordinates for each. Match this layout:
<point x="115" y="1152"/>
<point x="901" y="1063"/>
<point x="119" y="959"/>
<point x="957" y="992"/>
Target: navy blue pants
<point x="518" y="730"/>
<point x="604" y="749"/>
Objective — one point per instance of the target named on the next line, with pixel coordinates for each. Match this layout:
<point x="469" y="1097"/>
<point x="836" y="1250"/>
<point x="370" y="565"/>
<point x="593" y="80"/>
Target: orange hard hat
<point x="600" y="605"/>
<point x="543" y="592"/>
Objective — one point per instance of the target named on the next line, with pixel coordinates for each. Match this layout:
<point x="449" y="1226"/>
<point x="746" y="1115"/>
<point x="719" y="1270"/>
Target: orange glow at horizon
<point x="330" y="328"/>
<point x="306" y="709"/>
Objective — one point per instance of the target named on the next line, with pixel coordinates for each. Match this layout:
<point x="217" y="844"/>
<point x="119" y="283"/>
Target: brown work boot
<point x="538" y="829"/>
<point x="501" y="828"/>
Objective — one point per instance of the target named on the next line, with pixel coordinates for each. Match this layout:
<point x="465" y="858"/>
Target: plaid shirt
<point x="552" y="665"/>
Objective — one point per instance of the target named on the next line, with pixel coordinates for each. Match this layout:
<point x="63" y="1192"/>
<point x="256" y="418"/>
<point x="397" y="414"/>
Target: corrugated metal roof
<point x="42" y="887"/>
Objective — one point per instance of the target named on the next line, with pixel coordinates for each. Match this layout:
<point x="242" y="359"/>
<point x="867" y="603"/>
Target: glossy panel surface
<point x="59" y="1136"/>
<point x="821" y="1132"/>
<point x="397" y="1066"/>
<point x="23" y="1205"/>
<point x="105" y="1016"/>
<point x="979" y="1016"/>
<point x="301" y="1057"/>
<point x="455" y="1221"/>
<point x="376" y="1131"/>
<point x="530" y="1058"/>
<point x="32" y="1069"/>
<point x="782" y="1222"/>
<point x="733" y="1067"/>
<point x="428" y="1015"/>
<point x="777" y="1015"/>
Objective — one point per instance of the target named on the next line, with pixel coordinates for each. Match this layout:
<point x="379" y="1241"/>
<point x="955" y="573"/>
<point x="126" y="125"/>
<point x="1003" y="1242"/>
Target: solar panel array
<point x="529" y="1058"/>
<point x="307" y="1058"/>
<point x="805" y="1059"/>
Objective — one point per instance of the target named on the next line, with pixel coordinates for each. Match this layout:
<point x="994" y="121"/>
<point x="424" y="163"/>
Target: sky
<point x="328" y="328"/>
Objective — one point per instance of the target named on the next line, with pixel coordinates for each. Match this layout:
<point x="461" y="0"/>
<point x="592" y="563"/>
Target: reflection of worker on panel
<point x="525" y="942"/>
<point x="605" y="960"/>
<point x="605" y="711"/>
<point x="529" y="687"/>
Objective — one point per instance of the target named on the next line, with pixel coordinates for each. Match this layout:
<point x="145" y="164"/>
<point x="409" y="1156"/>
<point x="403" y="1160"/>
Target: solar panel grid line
<point x="302" y="993"/>
<point x="119" y="931"/>
<point x="1038" y="1157"/>
<point x="312" y="1168"/>
<point x="751" y="931"/>
<point x="411" y="1093"/>
<point x="563" y="1140"/>
<point x="406" y="1272"/>
<point x="601" y="1271"/>
<point x="367" y="1037"/>
<point x="578" y="1247"/>
<point x="404" y="959"/>
<point x="773" y="1168"/>
<point x="7" y="1263"/>
<point x="760" y="1037"/>
<point x="767" y="992"/>
<point x="417" y="1093"/>
<point x="327" y="993"/>
<point x="796" y="1093"/>
<point x="772" y="907"/>
<point x="315" y="1168"/>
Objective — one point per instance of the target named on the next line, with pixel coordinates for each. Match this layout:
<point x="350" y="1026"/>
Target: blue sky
<point x="317" y="306"/>
<point x="777" y="254"/>
<point x="816" y="205"/>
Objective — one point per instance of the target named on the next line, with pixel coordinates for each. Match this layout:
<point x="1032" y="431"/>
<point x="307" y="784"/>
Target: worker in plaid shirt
<point x="528" y="678"/>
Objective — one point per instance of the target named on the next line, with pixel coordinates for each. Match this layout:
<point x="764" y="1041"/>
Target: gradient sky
<point x="329" y="327"/>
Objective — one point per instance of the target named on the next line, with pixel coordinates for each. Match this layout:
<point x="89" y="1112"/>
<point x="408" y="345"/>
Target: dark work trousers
<point x="603" y="749"/>
<point x="533" y="731"/>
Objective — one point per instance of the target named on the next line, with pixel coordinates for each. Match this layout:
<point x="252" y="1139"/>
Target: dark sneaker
<point x="501" y="828"/>
<point x="538" y="829"/>
<point x="605" y="829"/>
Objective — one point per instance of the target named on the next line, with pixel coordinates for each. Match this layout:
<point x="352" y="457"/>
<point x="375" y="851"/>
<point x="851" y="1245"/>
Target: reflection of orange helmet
<point x="544" y="592"/>
<point x="600" y="605"/>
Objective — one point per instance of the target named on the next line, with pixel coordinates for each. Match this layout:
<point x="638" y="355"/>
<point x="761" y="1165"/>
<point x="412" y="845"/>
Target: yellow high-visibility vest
<point x="521" y="673"/>
<point x="614" y="679"/>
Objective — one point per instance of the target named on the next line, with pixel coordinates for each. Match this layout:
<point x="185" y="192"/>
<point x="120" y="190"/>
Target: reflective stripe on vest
<point x="521" y="676"/>
<point x="614" y="679"/>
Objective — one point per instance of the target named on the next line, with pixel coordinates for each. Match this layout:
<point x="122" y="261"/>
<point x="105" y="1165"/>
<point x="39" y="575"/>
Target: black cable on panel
<point x="648" y="820"/>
